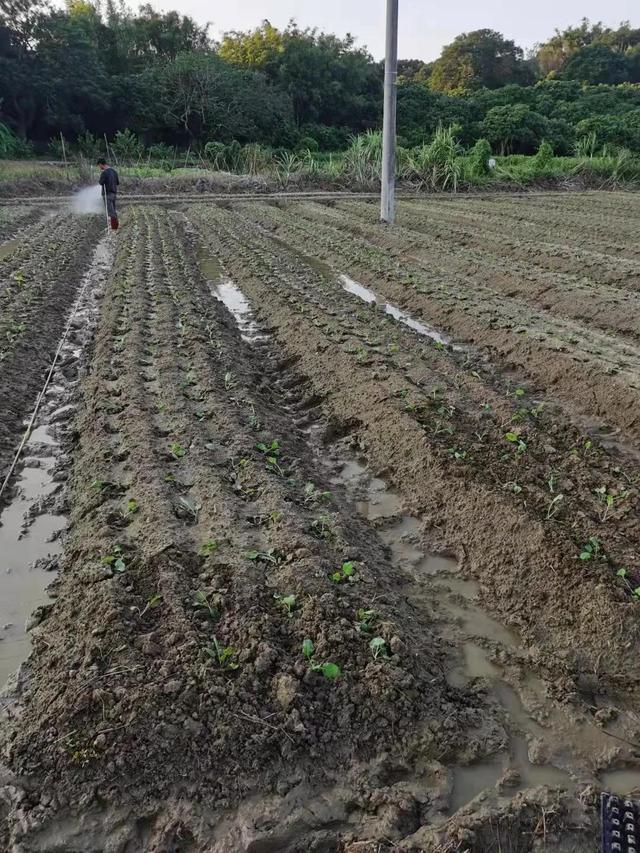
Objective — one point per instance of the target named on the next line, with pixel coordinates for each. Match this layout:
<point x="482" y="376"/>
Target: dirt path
<point x="329" y="583"/>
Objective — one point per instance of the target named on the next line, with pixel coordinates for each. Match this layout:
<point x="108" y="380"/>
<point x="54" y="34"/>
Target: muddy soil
<point x="343" y="566"/>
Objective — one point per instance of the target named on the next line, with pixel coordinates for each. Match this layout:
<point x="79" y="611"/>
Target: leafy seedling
<point x="229" y="381"/>
<point x="177" y="450"/>
<point x="208" y="548"/>
<point x="223" y="655"/>
<point x="554" y="505"/>
<point x="272" y="449"/>
<point x="346" y="572"/>
<point x="273" y="556"/>
<point x="201" y="602"/>
<point x="591" y="550"/>
<point x="516" y="488"/>
<point x="366" y="620"/>
<point x="286" y="601"/>
<point x="609" y="499"/>
<point x="519" y="392"/>
<point x="514" y="438"/>
<point x="329" y="670"/>
<point x="170" y="478"/>
<point x="132" y="507"/>
<point x="312" y="495"/>
<point x="115" y="560"/>
<point x="152" y="603"/>
<point x="187" y="508"/>
<point x="635" y="591"/>
<point x="379" y="648"/>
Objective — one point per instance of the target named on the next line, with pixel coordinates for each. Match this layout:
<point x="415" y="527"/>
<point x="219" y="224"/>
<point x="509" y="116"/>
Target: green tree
<point x="477" y="59"/>
<point x="597" y="63"/>
<point x="514" y="129"/>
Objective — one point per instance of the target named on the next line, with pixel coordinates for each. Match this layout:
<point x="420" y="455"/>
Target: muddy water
<point x="231" y="296"/>
<point x="372" y="298"/>
<point x="8" y="248"/>
<point x="30" y="526"/>
<point x="559" y="754"/>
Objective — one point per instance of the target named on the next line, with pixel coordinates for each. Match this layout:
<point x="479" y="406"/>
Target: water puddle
<point x="371" y="298"/>
<point x="27" y="539"/>
<point x="30" y="525"/>
<point x="231" y="296"/>
<point x="621" y="782"/>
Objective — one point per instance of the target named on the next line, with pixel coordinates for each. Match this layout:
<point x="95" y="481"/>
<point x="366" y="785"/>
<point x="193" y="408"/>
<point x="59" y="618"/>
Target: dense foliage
<point x="157" y="79"/>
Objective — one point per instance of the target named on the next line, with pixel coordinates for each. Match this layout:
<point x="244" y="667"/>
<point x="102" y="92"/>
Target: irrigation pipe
<point x="47" y="382"/>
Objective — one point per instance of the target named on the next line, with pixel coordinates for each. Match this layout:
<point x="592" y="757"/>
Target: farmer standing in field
<point x="109" y="182"/>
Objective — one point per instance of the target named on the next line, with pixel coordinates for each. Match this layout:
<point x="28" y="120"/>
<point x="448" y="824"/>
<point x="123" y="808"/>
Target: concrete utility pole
<point x="388" y="198"/>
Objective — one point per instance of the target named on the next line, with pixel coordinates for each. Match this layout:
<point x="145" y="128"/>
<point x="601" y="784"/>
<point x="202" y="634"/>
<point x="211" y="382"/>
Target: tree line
<point x="88" y="70"/>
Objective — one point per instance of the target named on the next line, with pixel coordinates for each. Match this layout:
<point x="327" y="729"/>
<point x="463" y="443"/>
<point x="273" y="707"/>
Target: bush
<point x="89" y="146"/>
<point x="215" y="152"/>
<point x="161" y="152"/>
<point x="126" y="145"/>
<point x="308" y="143"/>
<point x="479" y="157"/>
<point x="544" y="155"/>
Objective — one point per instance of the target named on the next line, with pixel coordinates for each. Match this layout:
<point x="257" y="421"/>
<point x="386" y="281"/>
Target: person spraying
<point x="109" y="182"/>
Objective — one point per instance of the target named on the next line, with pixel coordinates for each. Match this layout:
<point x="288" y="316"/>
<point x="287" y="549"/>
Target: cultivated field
<point x="353" y="530"/>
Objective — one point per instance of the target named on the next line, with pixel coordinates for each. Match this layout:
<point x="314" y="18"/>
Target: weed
<point x="331" y="671"/>
<point x="591" y="550"/>
<point x="115" y="560"/>
<point x="286" y="601"/>
<point x="379" y="648"/>
<point x="208" y="548"/>
<point x="345" y="573"/>
<point x="223" y="655"/>
<point x="312" y="495"/>
<point x="201" y="602"/>
<point x="439" y="345"/>
<point x="177" y="450"/>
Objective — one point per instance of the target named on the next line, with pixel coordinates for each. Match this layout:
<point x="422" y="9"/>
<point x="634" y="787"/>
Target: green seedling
<point x="132" y="507"/>
<point x="177" y="450"/>
<point x="170" y="478"/>
<point x="272" y="449"/>
<point x="276" y="516"/>
<point x="345" y="573"/>
<point x="223" y="655"/>
<point x="516" y="488"/>
<point x="379" y="648"/>
<point x="152" y="603"/>
<point x="439" y="345"/>
<point x="286" y="601"/>
<point x="272" y="465"/>
<point x="322" y="527"/>
<point x="591" y="550"/>
<point x="551" y="482"/>
<point x="208" y="548"/>
<point x="519" y="392"/>
<point x="200" y="415"/>
<point x="554" y="505"/>
<point x="366" y="620"/>
<point x="458" y="454"/>
<point x="229" y="381"/>
<point x="312" y="495"/>
<point x="115" y="560"/>
<point x="609" y="499"/>
<point x="201" y="602"/>
<point x="331" y="671"/>
<point x="188" y="508"/>
<point x="514" y="438"/>
<point x="274" y="556"/>
<point x="635" y="591"/>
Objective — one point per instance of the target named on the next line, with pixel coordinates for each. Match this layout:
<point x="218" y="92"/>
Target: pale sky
<point x="424" y="27"/>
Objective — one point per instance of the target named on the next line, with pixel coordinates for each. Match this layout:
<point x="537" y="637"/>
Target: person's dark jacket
<point x="109" y="180"/>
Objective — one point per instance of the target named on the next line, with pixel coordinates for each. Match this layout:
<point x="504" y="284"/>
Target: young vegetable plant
<point x="635" y="591"/>
<point x="131" y="508"/>
<point x="312" y="495"/>
<point x="331" y="671"/>
<point x="208" y="547"/>
<point x="288" y="602"/>
<point x="609" y="499"/>
<point x="554" y="505"/>
<point x="177" y="450"/>
<point x="379" y="648"/>
<point x="115" y="560"/>
<point x="366" y="620"/>
<point x="201" y="602"/>
<point x="273" y="556"/>
<point x="514" y="438"/>
<point x="346" y="572"/>
<point x="223" y="655"/>
<point x="152" y="603"/>
<point x="591" y="550"/>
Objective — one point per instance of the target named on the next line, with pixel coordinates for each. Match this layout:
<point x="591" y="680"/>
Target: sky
<point x="424" y="27"/>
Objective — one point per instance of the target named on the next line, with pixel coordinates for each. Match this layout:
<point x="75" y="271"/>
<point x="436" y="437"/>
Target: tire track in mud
<point x="594" y="374"/>
<point x="38" y="283"/>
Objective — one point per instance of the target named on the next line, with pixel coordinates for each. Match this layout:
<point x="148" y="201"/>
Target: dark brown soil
<point x="168" y="704"/>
